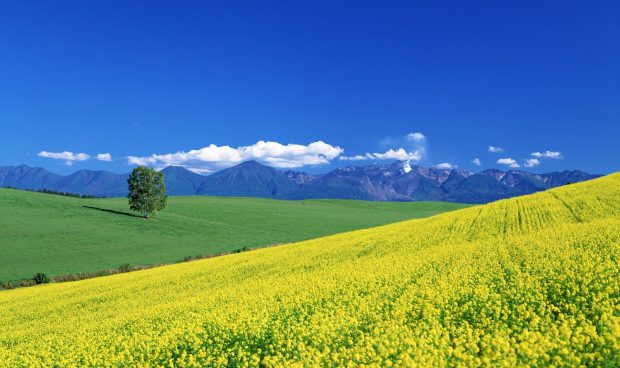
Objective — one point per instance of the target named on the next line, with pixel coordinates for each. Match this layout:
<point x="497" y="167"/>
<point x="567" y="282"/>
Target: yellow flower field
<point x="529" y="281"/>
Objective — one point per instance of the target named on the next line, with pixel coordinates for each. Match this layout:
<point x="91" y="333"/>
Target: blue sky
<point x="178" y="82"/>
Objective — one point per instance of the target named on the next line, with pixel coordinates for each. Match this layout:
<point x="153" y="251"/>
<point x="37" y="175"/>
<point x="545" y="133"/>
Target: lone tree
<point x="147" y="191"/>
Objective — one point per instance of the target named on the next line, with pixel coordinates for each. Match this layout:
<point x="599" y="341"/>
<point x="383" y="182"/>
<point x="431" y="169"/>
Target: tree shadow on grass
<point x="113" y="211"/>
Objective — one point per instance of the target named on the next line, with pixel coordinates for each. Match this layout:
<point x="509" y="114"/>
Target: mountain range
<point x="398" y="181"/>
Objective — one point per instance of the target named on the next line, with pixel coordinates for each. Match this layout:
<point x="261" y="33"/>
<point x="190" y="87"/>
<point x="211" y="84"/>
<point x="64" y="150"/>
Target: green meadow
<point x="59" y="235"/>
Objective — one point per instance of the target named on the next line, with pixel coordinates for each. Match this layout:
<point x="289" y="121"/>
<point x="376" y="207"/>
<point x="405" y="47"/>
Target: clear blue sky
<point x="133" y="78"/>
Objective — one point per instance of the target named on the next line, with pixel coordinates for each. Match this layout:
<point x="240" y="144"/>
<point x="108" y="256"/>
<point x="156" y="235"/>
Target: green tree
<point x="147" y="191"/>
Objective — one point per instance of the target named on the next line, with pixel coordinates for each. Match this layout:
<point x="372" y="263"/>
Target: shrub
<point x="125" y="267"/>
<point x="40" y="278"/>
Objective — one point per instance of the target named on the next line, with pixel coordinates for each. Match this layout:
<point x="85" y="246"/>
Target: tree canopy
<point x="147" y="191"/>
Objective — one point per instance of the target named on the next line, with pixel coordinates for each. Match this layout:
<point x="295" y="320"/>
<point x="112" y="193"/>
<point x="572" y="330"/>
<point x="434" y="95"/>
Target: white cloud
<point x="356" y="157"/>
<point x="532" y="162"/>
<point x="548" y="154"/>
<point x="446" y="165"/>
<point x="399" y="154"/>
<point x="494" y="149"/>
<point x="391" y="154"/>
<point x="67" y="156"/>
<point x="407" y="167"/>
<point x="508" y="162"/>
<point x="415" y="151"/>
<point x="476" y="162"/>
<point x="415" y="137"/>
<point x="104" y="157"/>
<point x="272" y="153"/>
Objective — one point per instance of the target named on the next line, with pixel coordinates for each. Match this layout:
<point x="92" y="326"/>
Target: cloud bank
<point x="532" y="162"/>
<point x="391" y="154"/>
<point x="548" y="154"/>
<point x="415" y="137"/>
<point x="104" y="157"/>
<point x="67" y="156"/>
<point x="416" y="150"/>
<point x="411" y="148"/>
<point x="214" y="157"/>
<point x="510" y="162"/>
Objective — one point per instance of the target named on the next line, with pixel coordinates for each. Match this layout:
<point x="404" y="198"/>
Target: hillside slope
<point x="529" y="281"/>
<point x="60" y="235"/>
<point x="180" y="181"/>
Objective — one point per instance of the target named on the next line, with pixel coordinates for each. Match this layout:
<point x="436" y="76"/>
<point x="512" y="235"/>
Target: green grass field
<point x="61" y="235"/>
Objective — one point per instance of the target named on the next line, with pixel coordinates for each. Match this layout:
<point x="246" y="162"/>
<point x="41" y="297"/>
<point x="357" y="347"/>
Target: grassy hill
<point x="61" y="235"/>
<point x="529" y="281"/>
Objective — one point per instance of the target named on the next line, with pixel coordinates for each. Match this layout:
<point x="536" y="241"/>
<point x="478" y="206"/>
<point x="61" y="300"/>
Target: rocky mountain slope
<point x="397" y="181"/>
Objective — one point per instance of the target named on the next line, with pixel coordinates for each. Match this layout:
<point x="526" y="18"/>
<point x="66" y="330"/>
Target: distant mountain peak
<point x="397" y="181"/>
<point x="251" y="163"/>
<point x="175" y="168"/>
<point x="181" y="181"/>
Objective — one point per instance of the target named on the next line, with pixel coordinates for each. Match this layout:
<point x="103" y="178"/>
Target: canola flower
<point x="529" y="281"/>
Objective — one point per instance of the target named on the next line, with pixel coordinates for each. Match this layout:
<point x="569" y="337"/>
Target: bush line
<point x="54" y="192"/>
<point x="41" y="278"/>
